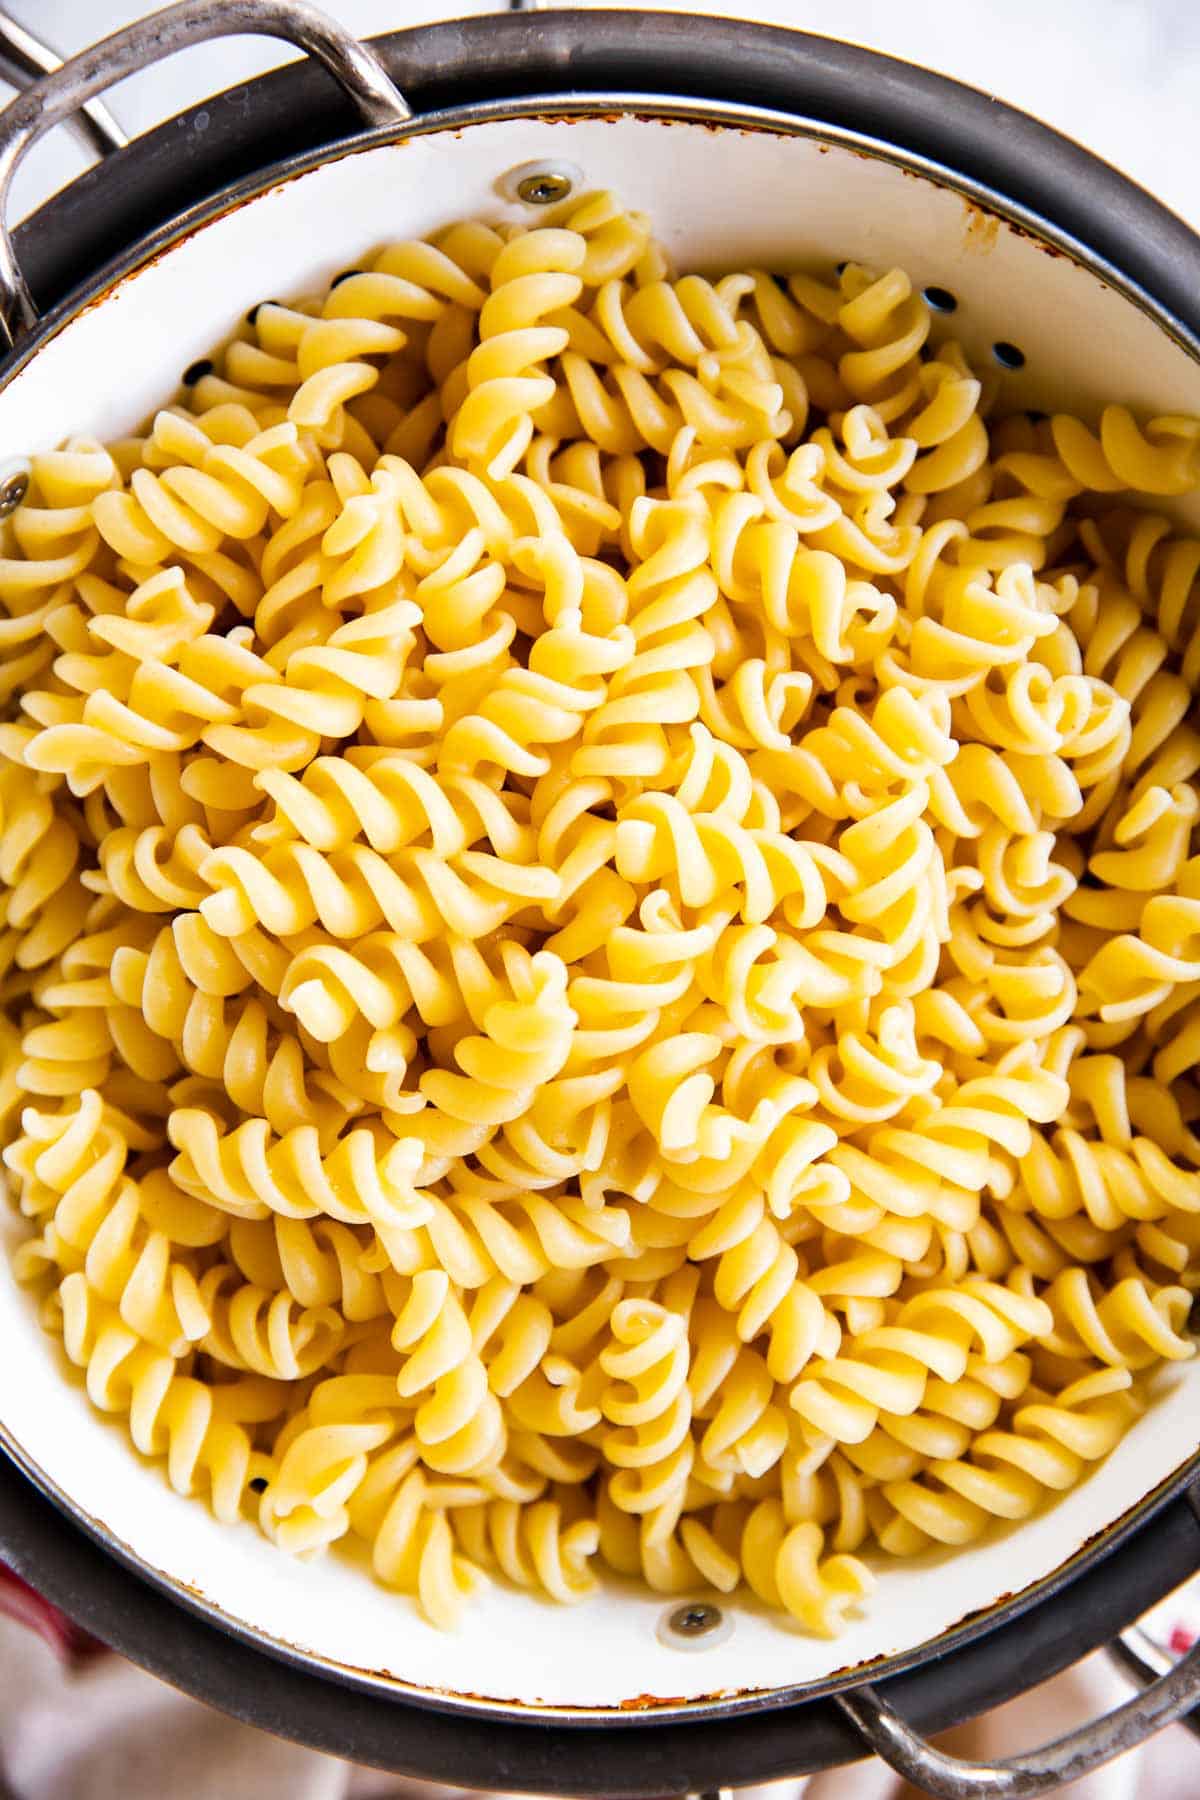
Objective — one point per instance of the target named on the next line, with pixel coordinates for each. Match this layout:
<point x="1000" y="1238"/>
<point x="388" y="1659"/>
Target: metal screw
<point x="12" y="491"/>
<point x="544" y="189"/>
<point x="696" y="1619"/>
<point x="696" y="1625"/>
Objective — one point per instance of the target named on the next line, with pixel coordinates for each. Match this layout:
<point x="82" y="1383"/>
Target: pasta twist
<point x="325" y="687"/>
<point x="458" y="1421"/>
<point x="413" y="1550"/>
<point x="200" y="1429"/>
<point x="100" y="1229"/>
<point x="940" y="1166"/>
<point x="249" y="1173"/>
<point x="57" y="539"/>
<point x="265" y="1333"/>
<point x="1051" y="1441"/>
<point x="1128" y="1327"/>
<point x="321" y="1264"/>
<point x="228" y="1038"/>
<point x="668" y="592"/>
<point x="196" y="698"/>
<point x="482" y="1232"/>
<point x="45" y="903"/>
<point x="888" y="1369"/>
<point x="523" y="1042"/>
<point x="648" y="1404"/>
<point x="204" y="493"/>
<point x="534" y="274"/>
<point x="322" y="1460"/>
<point x="289" y="888"/>
<point x="531" y="1545"/>
<point x="1159" y="459"/>
<point x="786" y="1569"/>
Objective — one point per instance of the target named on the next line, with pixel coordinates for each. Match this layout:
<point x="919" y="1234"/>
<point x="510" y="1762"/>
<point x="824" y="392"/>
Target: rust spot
<point x="555" y="118"/>
<point x="982" y="228"/>
<point x="1039" y="243"/>
<point x="197" y="1593"/>
<point x="642" y="1702"/>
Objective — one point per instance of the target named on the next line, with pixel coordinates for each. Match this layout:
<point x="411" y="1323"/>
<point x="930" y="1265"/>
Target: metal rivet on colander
<point x="696" y="1625"/>
<point x="543" y="190"/>
<point x="541" y="184"/>
<point x="13" y="489"/>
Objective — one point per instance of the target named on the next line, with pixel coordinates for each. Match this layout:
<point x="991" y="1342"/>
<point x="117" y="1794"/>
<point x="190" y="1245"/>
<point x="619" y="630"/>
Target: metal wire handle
<point x="23" y="58"/>
<point x="1166" y="1698"/>
<point x="65" y="90"/>
<point x="1139" y="1658"/>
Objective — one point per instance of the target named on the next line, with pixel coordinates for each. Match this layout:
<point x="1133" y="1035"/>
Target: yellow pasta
<point x="601" y="926"/>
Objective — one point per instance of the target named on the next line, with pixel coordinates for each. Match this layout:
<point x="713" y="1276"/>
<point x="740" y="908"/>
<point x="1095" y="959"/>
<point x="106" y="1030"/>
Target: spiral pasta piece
<point x="648" y="1405"/>
<point x="204" y="1433"/>
<point x="532" y="1545"/>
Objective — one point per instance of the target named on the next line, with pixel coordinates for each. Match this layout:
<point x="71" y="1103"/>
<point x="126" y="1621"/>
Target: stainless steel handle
<point x="63" y="92"/>
<point x="23" y="58"/>
<point x="1137" y="1656"/>
<point x="1167" y="1697"/>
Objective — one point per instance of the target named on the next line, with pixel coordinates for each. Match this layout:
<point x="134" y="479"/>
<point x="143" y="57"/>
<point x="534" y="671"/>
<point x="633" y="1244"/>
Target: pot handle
<point x="1139" y="1658"/>
<point x="61" y="93"/>
<point x="23" y="58"/>
<point x="1167" y="1697"/>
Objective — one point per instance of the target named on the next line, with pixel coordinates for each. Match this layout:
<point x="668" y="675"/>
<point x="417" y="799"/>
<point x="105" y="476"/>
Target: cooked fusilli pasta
<point x="601" y="927"/>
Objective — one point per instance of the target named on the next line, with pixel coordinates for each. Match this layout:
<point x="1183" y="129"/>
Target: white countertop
<point x="1121" y="76"/>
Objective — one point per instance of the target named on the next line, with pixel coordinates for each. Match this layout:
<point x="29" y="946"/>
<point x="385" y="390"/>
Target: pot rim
<point x="553" y="107"/>
<point x="520" y="55"/>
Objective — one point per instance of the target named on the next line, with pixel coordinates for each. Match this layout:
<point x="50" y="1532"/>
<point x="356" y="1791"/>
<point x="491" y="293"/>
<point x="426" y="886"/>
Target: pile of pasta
<point x="601" y="948"/>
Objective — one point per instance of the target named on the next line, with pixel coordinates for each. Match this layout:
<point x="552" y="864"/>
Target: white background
<point x="1122" y="76"/>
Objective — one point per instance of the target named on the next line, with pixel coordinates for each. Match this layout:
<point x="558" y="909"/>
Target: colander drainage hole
<point x="1008" y="356"/>
<point x="940" y="299"/>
